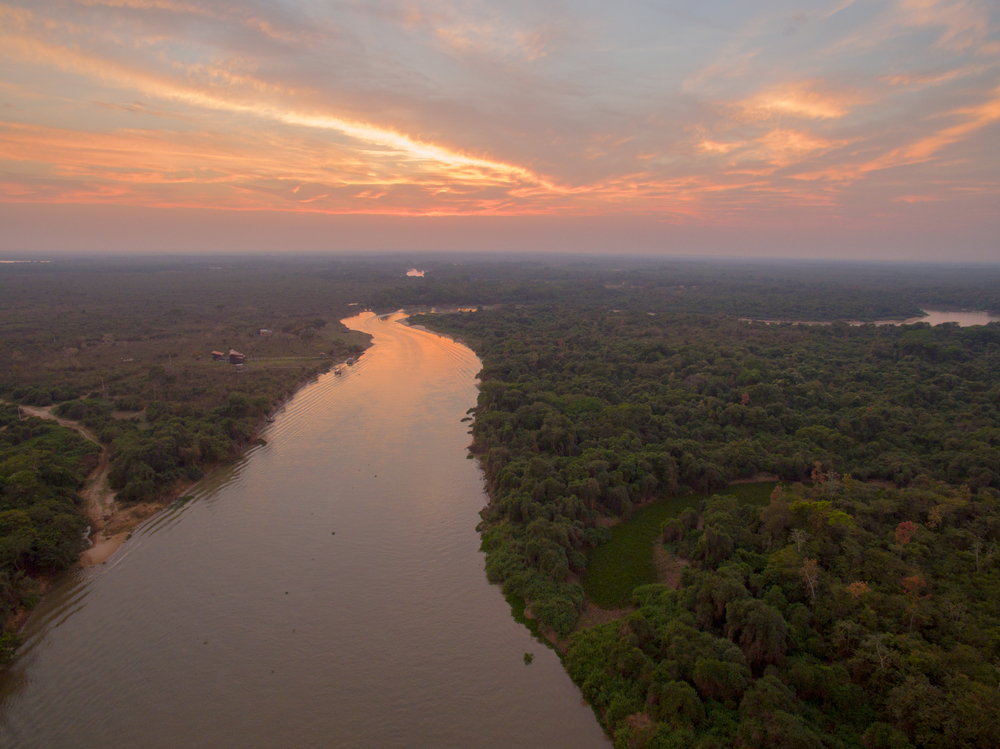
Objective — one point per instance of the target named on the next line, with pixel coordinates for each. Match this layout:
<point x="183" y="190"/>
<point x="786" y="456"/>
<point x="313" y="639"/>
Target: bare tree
<point x="810" y="573"/>
<point x="799" y="536"/>
<point x="877" y="644"/>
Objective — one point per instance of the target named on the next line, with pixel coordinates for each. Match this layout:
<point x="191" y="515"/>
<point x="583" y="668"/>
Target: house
<point x="218" y="356"/>
<point x="265" y="333"/>
<point x="235" y="357"/>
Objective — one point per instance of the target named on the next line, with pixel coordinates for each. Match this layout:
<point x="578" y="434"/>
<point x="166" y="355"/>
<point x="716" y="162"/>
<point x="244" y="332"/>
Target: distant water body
<point x="936" y="317"/>
<point x="327" y="591"/>
<point x="932" y="317"/>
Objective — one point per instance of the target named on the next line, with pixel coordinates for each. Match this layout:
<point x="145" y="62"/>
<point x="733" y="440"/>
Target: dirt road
<point x="103" y="513"/>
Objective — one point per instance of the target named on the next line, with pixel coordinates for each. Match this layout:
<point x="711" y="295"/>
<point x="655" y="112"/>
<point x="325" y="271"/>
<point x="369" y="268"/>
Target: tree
<point x="720" y="680"/>
<point x="810" y="574"/>
<point x="759" y="630"/>
<point x="877" y="644"/>
<point x="769" y="717"/>
<point x="714" y="546"/>
<point x="912" y="586"/>
<point x="884" y="736"/>
<point x="904" y="534"/>
<point x="677" y="704"/>
<point x="858" y="589"/>
<point x="977" y="548"/>
<point x="799" y="536"/>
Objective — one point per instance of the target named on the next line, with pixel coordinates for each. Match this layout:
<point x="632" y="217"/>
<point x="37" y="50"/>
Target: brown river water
<point x="326" y="591"/>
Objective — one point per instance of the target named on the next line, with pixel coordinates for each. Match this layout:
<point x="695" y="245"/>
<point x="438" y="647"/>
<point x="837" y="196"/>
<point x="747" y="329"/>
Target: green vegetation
<point x="126" y="349"/>
<point x="739" y="288"/>
<point x="821" y="619"/>
<point x="841" y="615"/>
<point x="42" y="465"/>
<point x="626" y="561"/>
<point x="585" y="413"/>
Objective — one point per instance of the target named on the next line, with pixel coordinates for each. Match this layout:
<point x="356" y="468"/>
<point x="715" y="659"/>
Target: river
<point x="326" y="591"/>
<point x="964" y="318"/>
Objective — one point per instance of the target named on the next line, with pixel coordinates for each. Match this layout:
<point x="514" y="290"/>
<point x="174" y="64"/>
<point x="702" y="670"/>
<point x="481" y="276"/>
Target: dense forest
<point x="842" y="614"/>
<point x="754" y="289"/>
<point x="586" y="413"/>
<point x="42" y="465"/>
<point x="583" y="414"/>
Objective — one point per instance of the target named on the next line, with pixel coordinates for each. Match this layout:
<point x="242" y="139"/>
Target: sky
<point x="851" y="129"/>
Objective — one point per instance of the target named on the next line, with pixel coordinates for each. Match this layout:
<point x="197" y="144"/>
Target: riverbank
<point x="111" y="522"/>
<point x="425" y="329"/>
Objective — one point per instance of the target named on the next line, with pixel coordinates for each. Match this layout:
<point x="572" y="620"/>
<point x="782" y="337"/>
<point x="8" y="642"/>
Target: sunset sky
<point x="845" y="129"/>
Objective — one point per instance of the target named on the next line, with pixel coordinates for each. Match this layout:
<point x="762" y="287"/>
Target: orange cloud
<point x="164" y="169"/>
<point x="924" y="80"/>
<point x="801" y="99"/>
<point x="926" y="147"/>
<point x="711" y="146"/>
<point x="495" y="39"/>
<point x="781" y="148"/>
<point x="240" y="94"/>
<point x="920" y="150"/>
<point x="489" y="34"/>
<point x="916" y="199"/>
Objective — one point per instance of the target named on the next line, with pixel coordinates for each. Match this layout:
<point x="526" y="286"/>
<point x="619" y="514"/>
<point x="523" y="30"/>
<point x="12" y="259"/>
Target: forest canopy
<point x="843" y="614"/>
<point x="42" y="466"/>
<point x="863" y="592"/>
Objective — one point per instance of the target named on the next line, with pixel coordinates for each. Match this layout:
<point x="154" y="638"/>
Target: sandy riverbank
<point x="111" y="523"/>
<point x="102" y="549"/>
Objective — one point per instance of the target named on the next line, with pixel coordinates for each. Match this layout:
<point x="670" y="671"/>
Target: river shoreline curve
<point x="112" y="524"/>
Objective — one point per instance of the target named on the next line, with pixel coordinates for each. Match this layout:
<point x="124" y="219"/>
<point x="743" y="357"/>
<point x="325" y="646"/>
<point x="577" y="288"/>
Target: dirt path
<point x="107" y="519"/>
<point x="45" y="412"/>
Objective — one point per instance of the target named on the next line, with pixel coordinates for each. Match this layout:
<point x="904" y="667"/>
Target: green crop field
<point x="616" y="568"/>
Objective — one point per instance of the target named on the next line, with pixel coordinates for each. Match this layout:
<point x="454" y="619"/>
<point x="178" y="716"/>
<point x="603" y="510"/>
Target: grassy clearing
<point x="614" y="569"/>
